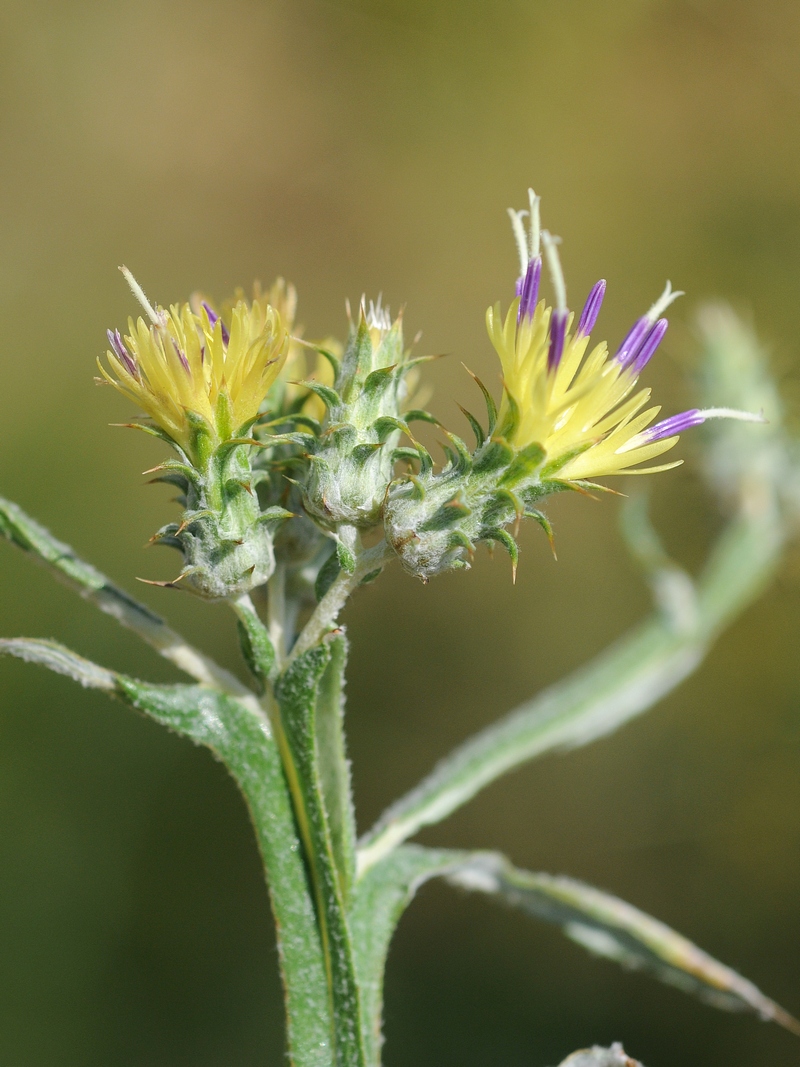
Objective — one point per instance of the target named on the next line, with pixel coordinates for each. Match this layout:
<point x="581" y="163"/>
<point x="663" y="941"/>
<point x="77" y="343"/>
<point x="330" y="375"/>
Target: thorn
<point x="584" y="492"/>
<point x="164" y="585"/>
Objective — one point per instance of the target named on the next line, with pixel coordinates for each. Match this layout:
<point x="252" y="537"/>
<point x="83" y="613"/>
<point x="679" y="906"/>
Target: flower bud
<point x="351" y="458"/>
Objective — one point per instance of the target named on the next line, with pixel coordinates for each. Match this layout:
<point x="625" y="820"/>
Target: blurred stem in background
<point x="336" y="902"/>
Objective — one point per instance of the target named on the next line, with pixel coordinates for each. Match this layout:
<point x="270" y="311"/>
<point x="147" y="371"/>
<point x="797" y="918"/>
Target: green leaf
<point x="356" y="361"/>
<point x="334" y="767"/>
<point x="379" y="900"/>
<point x="508" y="426"/>
<point x="21" y="530"/>
<point x="420" y="415"/>
<point x="494" y="455"/>
<point x="526" y="462"/>
<point x="328" y="396"/>
<point x="609" y="927"/>
<point x="347" y="561"/>
<point x="561" y="461"/>
<point x="624" y="681"/>
<point x="476" y="427"/>
<point x="255" y="642"/>
<point x="491" y="407"/>
<point x="328" y="573"/>
<point x="297" y="692"/>
<point x="61" y="660"/>
<point x="240" y="737"/>
<point x="377" y="381"/>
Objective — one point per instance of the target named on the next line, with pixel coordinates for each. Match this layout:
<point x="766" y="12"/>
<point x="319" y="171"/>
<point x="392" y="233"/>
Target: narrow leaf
<point x="609" y="927"/>
<point x="334" y="767"/>
<point x="379" y="900"/>
<point x="240" y="737"/>
<point x="297" y="693"/>
<point x="624" y="681"/>
<point x="95" y="587"/>
<point x="56" y="658"/>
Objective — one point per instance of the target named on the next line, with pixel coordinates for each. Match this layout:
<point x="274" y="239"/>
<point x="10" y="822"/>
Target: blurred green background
<point x="364" y="146"/>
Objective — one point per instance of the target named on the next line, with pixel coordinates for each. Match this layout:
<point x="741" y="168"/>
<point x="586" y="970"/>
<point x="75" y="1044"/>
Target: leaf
<point x="525" y="463"/>
<point x="241" y="739"/>
<point x="609" y="927"/>
<point x="328" y="396"/>
<point x="616" y="1056"/>
<point x="255" y="642"/>
<point x="297" y="693"/>
<point x="99" y="590"/>
<point x="379" y="900"/>
<point x="60" y="660"/>
<point x="334" y="767"/>
<point x="476" y="427"/>
<point x="624" y="681"/>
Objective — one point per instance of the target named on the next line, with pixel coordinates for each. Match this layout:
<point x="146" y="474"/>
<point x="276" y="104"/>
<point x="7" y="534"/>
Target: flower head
<point x="192" y="363"/>
<point x="577" y="402"/>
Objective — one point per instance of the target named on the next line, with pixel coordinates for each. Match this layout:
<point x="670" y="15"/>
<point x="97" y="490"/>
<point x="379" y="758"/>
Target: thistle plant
<point x="301" y="479"/>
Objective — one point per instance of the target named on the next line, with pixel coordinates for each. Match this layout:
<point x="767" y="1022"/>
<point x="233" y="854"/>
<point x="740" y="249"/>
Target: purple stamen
<point x="181" y="356"/>
<point x="558" y="330"/>
<point x="121" y="352"/>
<point x="591" y="309"/>
<point x="530" y="289"/>
<point x="675" y="424"/>
<point x="648" y="347"/>
<point x="212" y="318"/>
<point x="518" y="286"/>
<point x="633" y="339"/>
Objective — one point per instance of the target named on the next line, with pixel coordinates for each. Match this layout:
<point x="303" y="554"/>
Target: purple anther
<point x="591" y="309"/>
<point x="558" y="330"/>
<point x="530" y="289"/>
<point x="121" y="352"/>
<point x="225" y="335"/>
<point x="675" y="424"/>
<point x="181" y="356"/>
<point x="519" y="284"/>
<point x="212" y="315"/>
<point x="633" y="339"/>
<point x="648" y="347"/>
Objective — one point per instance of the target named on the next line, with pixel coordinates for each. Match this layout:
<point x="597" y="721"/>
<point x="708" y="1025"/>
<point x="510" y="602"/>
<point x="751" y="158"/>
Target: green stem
<point x="368" y="561"/>
<point x="297" y="694"/>
<point x="277" y="614"/>
<point x="292" y="703"/>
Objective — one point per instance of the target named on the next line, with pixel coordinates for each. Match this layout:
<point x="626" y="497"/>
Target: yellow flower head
<point x="578" y="403"/>
<point x="190" y="362"/>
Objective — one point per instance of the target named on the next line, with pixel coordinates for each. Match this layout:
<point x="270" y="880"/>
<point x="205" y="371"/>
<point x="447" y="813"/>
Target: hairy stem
<point x="368" y="561"/>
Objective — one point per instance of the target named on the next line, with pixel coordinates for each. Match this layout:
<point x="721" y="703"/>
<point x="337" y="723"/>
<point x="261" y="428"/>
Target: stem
<point x="294" y="713"/>
<point x="277" y="614"/>
<point x="327" y="611"/>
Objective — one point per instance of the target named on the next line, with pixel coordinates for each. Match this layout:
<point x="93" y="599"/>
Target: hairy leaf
<point x="297" y="692"/>
<point x="379" y="900"/>
<point x="240" y="737"/>
<point x="609" y="927"/>
<point x="94" y="586"/>
<point x="626" y="680"/>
